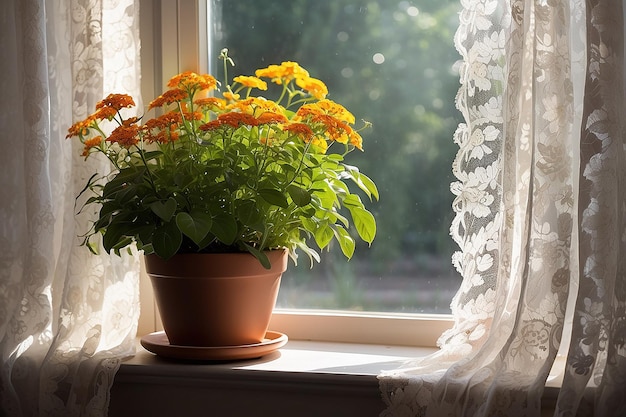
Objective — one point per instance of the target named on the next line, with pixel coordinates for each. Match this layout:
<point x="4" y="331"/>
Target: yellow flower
<point x="335" y="109"/>
<point x="283" y="73"/>
<point x="320" y="144"/>
<point x="252" y="82"/>
<point x="211" y="103"/>
<point x="256" y="106"/>
<point x="231" y="96"/>
<point x="313" y="86"/>
<point x="356" y="140"/>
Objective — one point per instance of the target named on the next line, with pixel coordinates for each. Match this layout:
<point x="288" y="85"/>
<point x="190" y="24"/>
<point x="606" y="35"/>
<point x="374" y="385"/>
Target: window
<point x="391" y="63"/>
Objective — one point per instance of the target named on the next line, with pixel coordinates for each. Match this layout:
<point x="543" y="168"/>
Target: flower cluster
<point x="228" y="170"/>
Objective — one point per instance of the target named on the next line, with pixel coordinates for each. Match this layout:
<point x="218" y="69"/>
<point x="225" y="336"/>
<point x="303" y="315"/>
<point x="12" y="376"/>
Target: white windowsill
<point x="303" y="378"/>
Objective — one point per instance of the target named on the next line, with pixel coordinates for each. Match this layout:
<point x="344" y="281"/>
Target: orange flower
<point x="162" y="129"/>
<point x="165" y="120"/>
<point x="125" y="136"/>
<point x="335" y="129"/>
<point x="232" y="119"/>
<point x="300" y="129"/>
<point x="212" y="125"/>
<point x="170" y="96"/>
<point x="130" y="121"/>
<point x="107" y="113"/>
<point x="271" y="118"/>
<point x="116" y="101"/>
<point x="193" y="116"/>
<point x="91" y="143"/>
<point x="190" y="81"/>
<point x="80" y="128"/>
<point x="236" y="119"/>
<point x="251" y="82"/>
<point x="313" y="86"/>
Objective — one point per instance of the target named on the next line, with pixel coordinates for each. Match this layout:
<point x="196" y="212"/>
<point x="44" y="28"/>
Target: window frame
<point x="174" y="38"/>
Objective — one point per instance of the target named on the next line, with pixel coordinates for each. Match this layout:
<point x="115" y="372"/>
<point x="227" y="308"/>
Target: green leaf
<point x="352" y="200"/>
<point x="167" y="240"/>
<point x="224" y="227"/>
<point x="323" y="235"/>
<point x="364" y="223"/>
<point x="125" y="194"/>
<point x="274" y="197"/>
<point x="261" y="256"/>
<point x="148" y="155"/>
<point x="300" y="196"/>
<point x="195" y="225"/>
<point x="112" y="235"/>
<point x="122" y="243"/>
<point x="248" y="213"/>
<point x="164" y="210"/>
<point x="124" y="177"/>
<point x="309" y="224"/>
<point x="346" y="242"/>
<point x="362" y="181"/>
<point x="313" y="256"/>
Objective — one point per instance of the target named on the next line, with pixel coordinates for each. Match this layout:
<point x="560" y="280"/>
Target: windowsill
<point x="303" y="378"/>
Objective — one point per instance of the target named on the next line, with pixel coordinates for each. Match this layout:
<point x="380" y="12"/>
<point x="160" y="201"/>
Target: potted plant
<point x="230" y="173"/>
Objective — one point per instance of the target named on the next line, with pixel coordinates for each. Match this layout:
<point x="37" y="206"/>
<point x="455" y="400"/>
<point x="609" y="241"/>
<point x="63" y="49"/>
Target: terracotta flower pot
<point x="215" y="299"/>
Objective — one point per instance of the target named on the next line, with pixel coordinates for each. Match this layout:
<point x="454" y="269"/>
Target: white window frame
<point x="173" y="39"/>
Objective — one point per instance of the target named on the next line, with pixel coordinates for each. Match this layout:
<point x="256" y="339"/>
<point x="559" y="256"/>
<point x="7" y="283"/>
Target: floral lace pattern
<point x="66" y="317"/>
<point x="541" y="151"/>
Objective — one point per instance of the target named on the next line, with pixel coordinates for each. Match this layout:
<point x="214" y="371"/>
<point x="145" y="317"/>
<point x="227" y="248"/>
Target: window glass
<point x="391" y="63"/>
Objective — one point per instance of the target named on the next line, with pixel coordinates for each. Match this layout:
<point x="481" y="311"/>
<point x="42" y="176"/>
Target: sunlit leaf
<point x="346" y="242"/>
<point x="364" y="223"/>
<point x="323" y="235"/>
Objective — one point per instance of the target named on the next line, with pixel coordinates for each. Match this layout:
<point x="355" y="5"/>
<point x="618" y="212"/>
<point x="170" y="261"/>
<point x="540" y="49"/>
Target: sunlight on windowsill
<point x="296" y="356"/>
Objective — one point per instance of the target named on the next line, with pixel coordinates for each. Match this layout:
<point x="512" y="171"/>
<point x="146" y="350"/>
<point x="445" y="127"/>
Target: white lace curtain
<point x="540" y="217"/>
<point x="66" y="317"/>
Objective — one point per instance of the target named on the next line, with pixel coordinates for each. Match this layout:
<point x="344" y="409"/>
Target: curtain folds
<point x="540" y="217"/>
<point x="67" y="317"/>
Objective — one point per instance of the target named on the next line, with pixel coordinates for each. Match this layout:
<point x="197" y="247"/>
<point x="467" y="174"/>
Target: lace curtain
<point x="540" y="217"/>
<point x="66" y="317"/>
